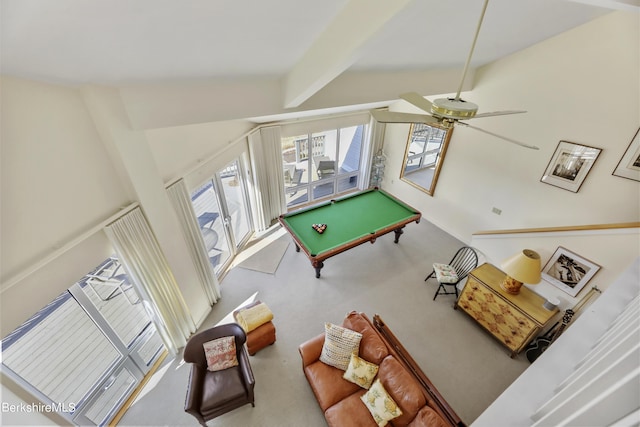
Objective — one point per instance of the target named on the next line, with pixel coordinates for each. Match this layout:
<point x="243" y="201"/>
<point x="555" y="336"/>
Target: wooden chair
<point x="465" y="260"/>
<point x="211" y="394"/>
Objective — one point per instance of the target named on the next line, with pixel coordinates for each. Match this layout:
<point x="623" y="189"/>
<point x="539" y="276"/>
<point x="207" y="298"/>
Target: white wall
<point x="57" y="178"/>
<point x="177" y="150"/>
<point x="581" y="86"/>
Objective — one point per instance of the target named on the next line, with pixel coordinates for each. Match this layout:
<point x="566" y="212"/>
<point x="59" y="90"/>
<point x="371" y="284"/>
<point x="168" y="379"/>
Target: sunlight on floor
<point x="260" y="243"/>
<point x="229" y="317"/>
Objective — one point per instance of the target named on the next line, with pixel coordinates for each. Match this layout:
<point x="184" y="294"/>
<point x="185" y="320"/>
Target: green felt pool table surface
<point x="351" y="220"/>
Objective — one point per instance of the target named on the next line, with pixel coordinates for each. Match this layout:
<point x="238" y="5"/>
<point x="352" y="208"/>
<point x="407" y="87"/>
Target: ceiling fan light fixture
<point x="452" y="108"/>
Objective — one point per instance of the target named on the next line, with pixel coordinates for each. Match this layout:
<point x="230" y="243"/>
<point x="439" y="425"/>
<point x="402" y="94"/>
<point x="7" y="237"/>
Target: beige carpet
<point x="267" y="259"/>
<point x="466" y="364"/>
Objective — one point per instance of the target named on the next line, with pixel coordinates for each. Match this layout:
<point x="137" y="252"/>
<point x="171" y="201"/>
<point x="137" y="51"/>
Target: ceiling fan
<point x="447" y="111"/>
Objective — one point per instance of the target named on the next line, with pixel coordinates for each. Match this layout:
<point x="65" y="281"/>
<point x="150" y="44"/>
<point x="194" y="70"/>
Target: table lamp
<point x="524" y="267"/>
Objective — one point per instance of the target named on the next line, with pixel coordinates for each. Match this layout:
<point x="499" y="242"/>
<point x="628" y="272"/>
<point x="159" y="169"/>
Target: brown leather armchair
<point x="211" y="394"/>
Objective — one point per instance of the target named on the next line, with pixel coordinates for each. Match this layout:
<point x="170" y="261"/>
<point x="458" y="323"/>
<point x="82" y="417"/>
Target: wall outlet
<point x="496" y="211"/>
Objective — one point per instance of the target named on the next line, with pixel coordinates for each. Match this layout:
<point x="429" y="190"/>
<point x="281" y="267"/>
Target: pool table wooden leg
<point x="398" y="232"/>
<point x="318" y="266"/>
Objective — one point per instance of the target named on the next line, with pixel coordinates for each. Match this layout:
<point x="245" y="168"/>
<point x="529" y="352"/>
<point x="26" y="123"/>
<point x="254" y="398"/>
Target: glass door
<point x="221" y="206"/>
<point x="235" y="203"/>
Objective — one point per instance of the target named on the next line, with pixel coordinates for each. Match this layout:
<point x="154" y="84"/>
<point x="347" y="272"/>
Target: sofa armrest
<point x="310" y="350"/>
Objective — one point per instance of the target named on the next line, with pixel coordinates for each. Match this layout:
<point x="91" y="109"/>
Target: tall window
<point x="86" y="351"/>
<point x="322" y="164"/>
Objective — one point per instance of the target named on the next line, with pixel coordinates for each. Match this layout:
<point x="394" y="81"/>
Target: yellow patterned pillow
<point x="360" y="371"/>
<point x="380" y="404"/>
<point x="338" y="345"/>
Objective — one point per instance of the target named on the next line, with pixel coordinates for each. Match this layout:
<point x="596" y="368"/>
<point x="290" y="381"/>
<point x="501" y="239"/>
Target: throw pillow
<point x="360" y="371"/>
<point x="339" y="344"/>
<point x="445" y="273"/>
<point x="220" y="353"/>
<point x="380" y="404"/>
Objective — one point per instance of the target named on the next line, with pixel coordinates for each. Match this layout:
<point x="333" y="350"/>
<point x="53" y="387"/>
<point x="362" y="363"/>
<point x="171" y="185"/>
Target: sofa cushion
<point x="327" y="384"/>
<point x="427" y="417"/>
<point x="380" y="404"/>
<point x="372" y="347"/>
<point x="403" y="388"/>
<point x="350" y="412"/>
<point x="339" y="344"/>
<point x="360" y="372"/>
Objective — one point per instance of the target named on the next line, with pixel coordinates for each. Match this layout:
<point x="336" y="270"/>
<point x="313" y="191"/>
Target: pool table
<point x="351" y="221"/>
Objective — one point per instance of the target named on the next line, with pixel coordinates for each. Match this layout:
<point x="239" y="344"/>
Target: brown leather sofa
<point x="339" y="399"/>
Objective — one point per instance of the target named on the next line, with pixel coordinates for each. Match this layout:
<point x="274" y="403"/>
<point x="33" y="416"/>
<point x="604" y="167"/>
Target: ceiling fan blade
<point x="417" y="100"/>
<point x="513" y="141"/>
<point x="499" y="113"/>
<point x="393" y="117"/>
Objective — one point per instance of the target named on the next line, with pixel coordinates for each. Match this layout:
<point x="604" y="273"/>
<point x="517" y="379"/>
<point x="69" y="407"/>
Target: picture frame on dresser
<point x="568" y="271"/>
<point x="629" y="164"/>
<point x="570" y="165"/>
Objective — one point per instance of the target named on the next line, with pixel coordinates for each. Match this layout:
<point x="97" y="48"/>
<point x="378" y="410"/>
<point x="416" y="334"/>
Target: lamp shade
<point x="524" y="266"/>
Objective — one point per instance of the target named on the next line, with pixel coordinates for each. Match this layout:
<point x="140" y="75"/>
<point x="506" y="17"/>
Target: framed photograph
<point x="629" y="164"/>
<point x="568" y="271"/>
<point x="570" y="165"/>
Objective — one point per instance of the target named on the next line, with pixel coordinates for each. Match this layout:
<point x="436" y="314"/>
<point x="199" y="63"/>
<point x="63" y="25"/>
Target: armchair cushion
<point x="221" y="389"/>
<point x="220" y="353"/>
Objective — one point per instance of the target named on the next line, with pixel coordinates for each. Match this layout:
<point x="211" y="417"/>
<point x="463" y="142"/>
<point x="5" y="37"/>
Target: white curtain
<point x="376" y="133"/>
<point x="181" y="202"/>
<point x="143" y="259"/>
<point x="265" y="149"/>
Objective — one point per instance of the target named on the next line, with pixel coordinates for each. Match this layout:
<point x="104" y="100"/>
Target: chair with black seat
<point x="213" y="393"/>
<point x="465" y="260"/>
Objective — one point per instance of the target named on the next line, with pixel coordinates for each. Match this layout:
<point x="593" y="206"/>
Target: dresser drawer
<point x="508" y="324"/>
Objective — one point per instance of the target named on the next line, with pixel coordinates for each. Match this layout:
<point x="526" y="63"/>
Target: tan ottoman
<point x="261" y="337"/>
<point x="255" y="319"/>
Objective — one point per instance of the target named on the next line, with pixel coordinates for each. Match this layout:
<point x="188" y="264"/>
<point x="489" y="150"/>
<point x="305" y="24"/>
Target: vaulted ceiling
<point x="291" y="50"/>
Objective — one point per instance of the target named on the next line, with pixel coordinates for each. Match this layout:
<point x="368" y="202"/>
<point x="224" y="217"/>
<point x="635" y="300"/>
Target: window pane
<point x="321" y="164"/>
<point x="110" y="290"/>
<point x="324" y="154"/>
<point x="60" y="351"/>
<point x="346" y="183"/>
<point x="234" y="196"/>
<point x="207" y="210"/>
<point x="323" y="190"/>
<point x="350" y="148"/>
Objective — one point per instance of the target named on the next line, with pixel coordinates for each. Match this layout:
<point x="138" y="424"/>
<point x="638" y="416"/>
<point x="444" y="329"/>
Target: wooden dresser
<point x="513" y="319"/>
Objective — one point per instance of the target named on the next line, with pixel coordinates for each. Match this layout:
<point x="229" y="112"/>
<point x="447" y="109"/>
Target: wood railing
<point x="563" y="228"/>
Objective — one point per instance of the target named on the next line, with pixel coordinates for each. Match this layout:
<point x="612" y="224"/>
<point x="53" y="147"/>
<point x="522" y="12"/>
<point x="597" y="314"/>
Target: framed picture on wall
<point x="629" y="164"/>
<point x="568" y="271"/>
<point x="570" y="165"/>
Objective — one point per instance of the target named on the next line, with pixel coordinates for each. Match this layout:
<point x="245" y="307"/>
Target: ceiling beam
<point x="338" y="47"/>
